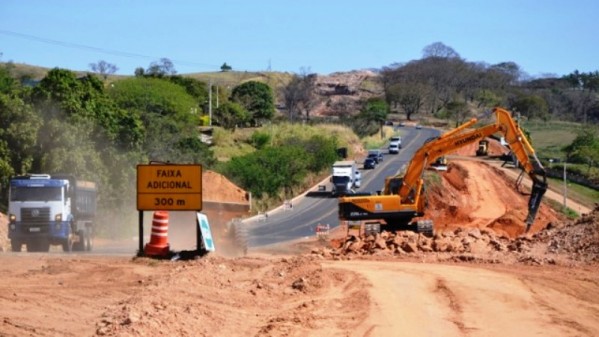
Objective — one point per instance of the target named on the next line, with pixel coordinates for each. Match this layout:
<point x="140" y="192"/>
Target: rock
<point x="475" y="233"/>
<point x="355" y="246"/>
<point x="409" y="247"/>
<point x="380" y="243"/>
<point x="299" y="284"/>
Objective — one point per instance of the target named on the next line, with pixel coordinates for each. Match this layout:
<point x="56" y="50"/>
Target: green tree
<point x="7" y="83"/>
<point x="225" y="67"/>
<point x="531" y="106"/>
<point x="372" y="117"/>
<point x="267" y="171"/>
<point x="161" y="68"/>
<point x="229" y="115"/>
<point x="257" y="99"/>
<point x="584" y="148"/>
<point x="62" y="95"/>
<point x="19" y="126"/>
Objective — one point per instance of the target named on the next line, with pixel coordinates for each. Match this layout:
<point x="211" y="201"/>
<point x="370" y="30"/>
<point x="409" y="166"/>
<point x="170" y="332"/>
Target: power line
<point x="99" y="50"/>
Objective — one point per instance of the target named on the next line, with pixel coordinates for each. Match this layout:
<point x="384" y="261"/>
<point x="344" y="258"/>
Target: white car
<point x="393" y="148"/>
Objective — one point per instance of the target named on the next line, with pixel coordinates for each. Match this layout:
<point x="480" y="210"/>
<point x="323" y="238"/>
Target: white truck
<point x="49" y="210"/>
<point x="345" y="177"/>
<point x="394" y="144"/>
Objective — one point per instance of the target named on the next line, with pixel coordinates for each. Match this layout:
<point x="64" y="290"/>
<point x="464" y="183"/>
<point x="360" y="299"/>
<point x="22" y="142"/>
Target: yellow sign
<point x="169" y="187"/>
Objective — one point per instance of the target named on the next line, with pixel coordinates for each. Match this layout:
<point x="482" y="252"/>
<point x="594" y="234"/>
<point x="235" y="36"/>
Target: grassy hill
<point x="223" y="79"/>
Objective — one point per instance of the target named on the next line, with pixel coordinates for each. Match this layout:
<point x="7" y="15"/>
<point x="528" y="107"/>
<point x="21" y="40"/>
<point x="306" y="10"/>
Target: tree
<point x="268" y="170"/>
<point x="160" y="68"/>
<point x="229" y="115"/>
<point x="225" y="67"/>
<point x="438" y="49"/>
<point x="299" y="95"/>
<point x="531" y="106"/>
<point x="257" y="99"/>
<point x="103" y="68"/>
<point x="19" y="125"/>
<point x="372" y="117"/>
<point x="61" y="95"/>
<point x="584" y="148"/>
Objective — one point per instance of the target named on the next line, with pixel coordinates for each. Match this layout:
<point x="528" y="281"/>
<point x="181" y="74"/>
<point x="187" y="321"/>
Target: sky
<point x="544" y="37"/>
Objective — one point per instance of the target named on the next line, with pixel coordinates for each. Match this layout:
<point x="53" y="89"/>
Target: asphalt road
<point x="311" y="209"/>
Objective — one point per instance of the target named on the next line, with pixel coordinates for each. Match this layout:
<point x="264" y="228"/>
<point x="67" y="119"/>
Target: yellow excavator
<point x="403" y="199"/>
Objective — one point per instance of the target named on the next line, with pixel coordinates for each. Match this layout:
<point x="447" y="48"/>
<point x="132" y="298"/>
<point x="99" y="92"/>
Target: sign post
<point x="168" y="187"/>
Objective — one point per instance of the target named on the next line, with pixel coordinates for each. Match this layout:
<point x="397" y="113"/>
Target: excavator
<point x="403" y="197"/>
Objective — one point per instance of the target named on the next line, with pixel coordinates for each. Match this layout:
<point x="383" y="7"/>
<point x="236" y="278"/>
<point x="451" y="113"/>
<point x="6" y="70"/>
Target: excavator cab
<point x="440" y="164"/>
<point x="483" y="148"/>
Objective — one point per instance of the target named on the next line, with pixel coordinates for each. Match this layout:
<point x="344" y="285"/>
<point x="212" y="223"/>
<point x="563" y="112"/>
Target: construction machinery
<point x="483" y="148"/>
<point x="403" y="198"/>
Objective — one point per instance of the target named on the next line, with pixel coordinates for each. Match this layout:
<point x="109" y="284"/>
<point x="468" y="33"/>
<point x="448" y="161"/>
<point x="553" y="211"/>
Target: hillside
<point x="333" y="95"/>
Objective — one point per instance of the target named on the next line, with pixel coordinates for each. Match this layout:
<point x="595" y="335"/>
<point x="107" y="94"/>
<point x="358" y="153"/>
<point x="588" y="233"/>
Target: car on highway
<point x="393" y="148"/>
<point x="418" y="126"/>
<point x="369" y="163"/>
<point x="377" y="155"/>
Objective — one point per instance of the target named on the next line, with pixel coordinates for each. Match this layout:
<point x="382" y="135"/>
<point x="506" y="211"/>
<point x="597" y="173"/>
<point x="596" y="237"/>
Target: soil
<point x="480" y="275"/>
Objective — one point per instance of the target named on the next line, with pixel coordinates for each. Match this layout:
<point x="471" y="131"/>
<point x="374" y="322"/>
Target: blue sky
<point x="320" y="36"/>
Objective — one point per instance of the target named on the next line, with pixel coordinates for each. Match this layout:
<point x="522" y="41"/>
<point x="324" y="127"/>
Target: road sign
<point x="169" y="187"/>
<point x="206" y="233"/>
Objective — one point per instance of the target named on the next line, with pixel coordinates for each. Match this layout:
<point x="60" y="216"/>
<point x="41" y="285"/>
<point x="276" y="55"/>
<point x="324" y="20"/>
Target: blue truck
<point x="45" y="210"/>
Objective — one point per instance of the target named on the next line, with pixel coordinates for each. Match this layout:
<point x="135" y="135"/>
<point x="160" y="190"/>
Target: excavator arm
<point x="402" y="196"/>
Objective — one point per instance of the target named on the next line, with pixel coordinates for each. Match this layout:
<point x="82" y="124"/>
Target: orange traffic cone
<point x="158" y="244"/>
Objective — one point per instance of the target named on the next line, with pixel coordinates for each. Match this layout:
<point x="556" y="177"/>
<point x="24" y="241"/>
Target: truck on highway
<point x="345" y="177"/>
<point x="46" y="210"/>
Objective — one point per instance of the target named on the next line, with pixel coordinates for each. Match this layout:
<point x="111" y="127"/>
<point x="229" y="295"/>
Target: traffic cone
<point x="158" y="244"/>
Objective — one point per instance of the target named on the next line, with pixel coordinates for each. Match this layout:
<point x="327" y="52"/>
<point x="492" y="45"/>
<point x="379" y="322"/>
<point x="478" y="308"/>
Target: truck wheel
<point x="15" y="245"/>
<point x="240" y="236"/>
<point x="67" y="245"/>
<point x="89" y="242"/>
<point x="80" y="245"/>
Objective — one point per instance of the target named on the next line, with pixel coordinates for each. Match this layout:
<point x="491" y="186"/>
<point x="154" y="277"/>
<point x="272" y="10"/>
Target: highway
<point x="309" y="210"/>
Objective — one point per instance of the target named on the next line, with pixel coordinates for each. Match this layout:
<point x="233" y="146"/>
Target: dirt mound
<point x="217" y="188"/>
<point x="474" y="194"/>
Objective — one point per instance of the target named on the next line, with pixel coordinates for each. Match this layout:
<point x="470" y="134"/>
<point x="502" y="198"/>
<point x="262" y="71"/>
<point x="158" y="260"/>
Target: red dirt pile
<point x="574" y="242"/>
<point x="474" y="194"/>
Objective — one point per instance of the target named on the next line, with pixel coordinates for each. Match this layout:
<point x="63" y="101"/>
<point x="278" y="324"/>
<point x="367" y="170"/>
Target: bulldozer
<point x="403" y="198"/>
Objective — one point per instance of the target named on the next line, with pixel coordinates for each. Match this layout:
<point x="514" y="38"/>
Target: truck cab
<point x="345" y="177"/>
<point x="45" y="210"/>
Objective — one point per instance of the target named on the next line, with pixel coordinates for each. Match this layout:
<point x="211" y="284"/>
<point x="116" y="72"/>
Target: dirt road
<point x="291" y="296"/>
<point x="416" y="299"/>
<point x="466" y="281"/>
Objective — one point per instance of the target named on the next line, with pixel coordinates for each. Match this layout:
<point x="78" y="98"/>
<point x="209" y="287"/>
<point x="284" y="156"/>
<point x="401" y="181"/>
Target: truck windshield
<point x="340" y="179"/>
<point x="19" y="193"/>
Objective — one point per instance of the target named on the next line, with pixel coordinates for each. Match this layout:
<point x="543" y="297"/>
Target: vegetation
<point x="100" y="128"/>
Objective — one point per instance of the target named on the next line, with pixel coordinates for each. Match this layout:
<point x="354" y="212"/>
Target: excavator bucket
<point x="538" y="190"/>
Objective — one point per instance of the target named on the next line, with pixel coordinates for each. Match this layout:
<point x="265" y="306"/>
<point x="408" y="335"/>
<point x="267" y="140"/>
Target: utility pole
<point x="210" y="101"/>
<point x="565" y="186"/>
<point x="217" y="96"/>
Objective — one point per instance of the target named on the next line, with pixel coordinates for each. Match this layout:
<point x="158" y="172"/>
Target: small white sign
<point x="206" y="233"/>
